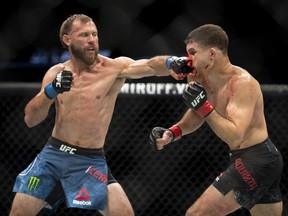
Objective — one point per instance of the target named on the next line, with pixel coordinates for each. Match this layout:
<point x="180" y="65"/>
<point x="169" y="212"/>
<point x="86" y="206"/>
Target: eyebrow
<point x="191" y="50"/>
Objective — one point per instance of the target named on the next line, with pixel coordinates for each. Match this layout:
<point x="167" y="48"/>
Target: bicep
<point x="135" y="69"/>
<point x="155" y="66"/>
<point x="241" y="106"/>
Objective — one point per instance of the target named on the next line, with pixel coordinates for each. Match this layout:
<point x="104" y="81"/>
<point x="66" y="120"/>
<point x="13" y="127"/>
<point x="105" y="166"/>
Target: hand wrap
<point x="173" y="133"/>
<point x="60" y="84"/>
<point x="195" y="97"/>
<point x="179" y="64"/>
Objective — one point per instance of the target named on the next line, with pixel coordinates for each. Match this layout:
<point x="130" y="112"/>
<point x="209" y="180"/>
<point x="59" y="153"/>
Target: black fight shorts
<point x="254" y="174"/>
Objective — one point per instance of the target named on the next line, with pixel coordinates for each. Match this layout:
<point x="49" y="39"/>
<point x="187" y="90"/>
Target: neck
<point x="218" y="74"/>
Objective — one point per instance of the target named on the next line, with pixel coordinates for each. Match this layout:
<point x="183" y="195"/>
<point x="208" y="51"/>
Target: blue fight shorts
<point x="81" y="172"/>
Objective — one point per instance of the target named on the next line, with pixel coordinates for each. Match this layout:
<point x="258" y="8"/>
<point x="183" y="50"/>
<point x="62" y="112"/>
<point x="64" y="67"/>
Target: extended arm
<point x="157" y="66"/>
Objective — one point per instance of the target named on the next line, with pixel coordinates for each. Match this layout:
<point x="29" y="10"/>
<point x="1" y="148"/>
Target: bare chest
<point x="220" y="98"/>
<point x="90" y="92"/>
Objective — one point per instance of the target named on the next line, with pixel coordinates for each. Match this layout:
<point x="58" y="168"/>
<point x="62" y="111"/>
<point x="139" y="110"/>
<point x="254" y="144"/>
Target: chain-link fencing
<point x="161" y="183"/>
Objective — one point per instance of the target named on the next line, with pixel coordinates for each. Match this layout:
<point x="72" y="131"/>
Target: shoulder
<point x="124" y="60"/>
<point x="116" y="62"/>
<point x="118" y="65"/>
<point x="58" y="67"/>
<point x="53" y="70"/>
<point x="243" y="80"/>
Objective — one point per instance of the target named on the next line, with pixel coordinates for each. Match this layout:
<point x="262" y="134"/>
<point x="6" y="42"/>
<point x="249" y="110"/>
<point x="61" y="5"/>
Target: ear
<point x="213" y="53"/>
<point x="66" y="39"/>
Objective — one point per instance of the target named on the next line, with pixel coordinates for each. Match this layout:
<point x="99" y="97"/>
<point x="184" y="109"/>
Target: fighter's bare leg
<point x="274" y="209"/>
<point x="118" y="202"/>
<point x="213" y="203"/>
<point x="26" y="205"/>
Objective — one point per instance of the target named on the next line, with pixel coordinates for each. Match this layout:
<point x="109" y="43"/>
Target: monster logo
<point x="33" y="183"/>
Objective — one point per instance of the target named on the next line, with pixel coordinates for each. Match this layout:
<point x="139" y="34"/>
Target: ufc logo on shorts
<point x="197" y="99"/>
<point x="68" y="149"/>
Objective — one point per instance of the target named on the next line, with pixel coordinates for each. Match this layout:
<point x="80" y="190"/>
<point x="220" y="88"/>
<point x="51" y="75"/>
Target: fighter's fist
<point x="60" y="84"/>
<point x="166" y="135"/>
<point x="195" y="97"/>
<point x="179" y="64"/>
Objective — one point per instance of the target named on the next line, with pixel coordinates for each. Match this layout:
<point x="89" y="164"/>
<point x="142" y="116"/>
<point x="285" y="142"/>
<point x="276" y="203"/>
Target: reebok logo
<point x="82" y="198"/>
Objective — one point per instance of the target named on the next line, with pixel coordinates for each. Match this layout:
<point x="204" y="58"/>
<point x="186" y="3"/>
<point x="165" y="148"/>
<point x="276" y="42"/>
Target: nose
<point x="92" y="38"/>
<point x="189" y="60"/>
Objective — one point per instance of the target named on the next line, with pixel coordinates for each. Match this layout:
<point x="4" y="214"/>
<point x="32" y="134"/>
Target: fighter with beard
<point x="72" y="164"/>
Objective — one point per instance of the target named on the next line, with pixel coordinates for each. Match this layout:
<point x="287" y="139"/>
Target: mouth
<point x="91" y="49"/>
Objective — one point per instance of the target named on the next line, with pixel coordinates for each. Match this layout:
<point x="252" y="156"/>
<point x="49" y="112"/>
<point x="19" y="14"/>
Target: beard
<point x="80" y="54"/>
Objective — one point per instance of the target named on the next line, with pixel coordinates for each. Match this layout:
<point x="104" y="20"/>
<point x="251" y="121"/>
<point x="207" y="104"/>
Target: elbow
<point x="30" y="125"/>
<point x="236" y="140"/>
<point x="29" y="122"/>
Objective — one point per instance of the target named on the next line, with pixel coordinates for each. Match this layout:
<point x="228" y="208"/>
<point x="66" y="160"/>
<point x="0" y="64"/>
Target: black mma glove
<point x="174" y="133"/>
<point x="195" y="97"/>
<point x="179" y="64"/>
<point x="60" y="84"/>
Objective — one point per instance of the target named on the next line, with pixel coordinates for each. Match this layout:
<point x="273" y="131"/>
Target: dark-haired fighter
<point x="230" y="101"/>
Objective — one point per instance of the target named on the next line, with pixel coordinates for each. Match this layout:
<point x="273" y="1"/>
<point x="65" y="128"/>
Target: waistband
<point x="267" y="144"/>
<point x="72" y="149"/>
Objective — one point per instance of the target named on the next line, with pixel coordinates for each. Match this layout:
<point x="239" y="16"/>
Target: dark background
<point x="258" y="31"/>
<point x="161" y="183"/>
<point x="169" y="182"/>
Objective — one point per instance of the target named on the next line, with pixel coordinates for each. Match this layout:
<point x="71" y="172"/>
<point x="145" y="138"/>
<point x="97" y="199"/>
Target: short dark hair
<point x="209" y="35"/>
